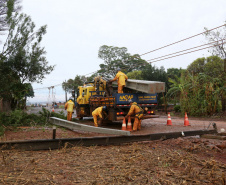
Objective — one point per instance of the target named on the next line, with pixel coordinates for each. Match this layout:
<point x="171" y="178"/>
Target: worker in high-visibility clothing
<point x="98" y="112"/>
<point x="122" y="78"/>
<point x="138" y="111"/>
<point x="69" y="106"/>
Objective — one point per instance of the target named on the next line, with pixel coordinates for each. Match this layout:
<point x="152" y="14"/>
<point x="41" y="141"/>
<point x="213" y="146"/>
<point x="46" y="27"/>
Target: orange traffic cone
<point x="129" y="125"/>
<point x="124" y="124"/>
<point x="186" y="122"/>
<point x="53" y="109"/>
<point x="169" y="122"/>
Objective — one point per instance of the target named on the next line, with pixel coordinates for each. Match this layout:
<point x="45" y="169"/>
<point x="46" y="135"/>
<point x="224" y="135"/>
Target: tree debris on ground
<point x="174" y="161"/>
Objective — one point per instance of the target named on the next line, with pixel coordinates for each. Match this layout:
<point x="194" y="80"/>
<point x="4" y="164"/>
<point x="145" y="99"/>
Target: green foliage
<point x="71" y="84"/>
<point x="177" y="108"/>
<point x="199" y="89"/>
<point x="22" y="51"/>
<point x="137" y="75"/>
<point x="59" y="115"/>
<point x="172" y="72"/>
<point x="116" y="57"/>
<point x="8" y="7"/>
<point x="154" y="73"/>
<point x="20" y="118"/>
<point x="22" y="60"/>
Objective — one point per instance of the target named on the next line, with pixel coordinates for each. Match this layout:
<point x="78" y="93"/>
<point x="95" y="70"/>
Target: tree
<point x="213" y="68"/>
<point x="178" y="91"/>
<point x="22" y="51"/>
<point x="137" y="75"/>
<point x="199" y="89"/>
<point x="218" y="37"/>
<point x="22" y="56"/>
<point x="6" y="11"/>
<point x="219" y="50"/>
<point x="172" y="72"/>
<point x="71" y="84"/>
<point x="197" y="66"/>
<point x="154" y="73"/>
<point x="115" y="57"/>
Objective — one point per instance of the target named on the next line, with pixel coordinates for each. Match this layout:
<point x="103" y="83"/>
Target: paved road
<point x="35" y="110"/>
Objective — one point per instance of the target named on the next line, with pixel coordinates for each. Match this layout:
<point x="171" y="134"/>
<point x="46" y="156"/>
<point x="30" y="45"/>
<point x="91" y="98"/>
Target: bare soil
<point x="175" y="161"/>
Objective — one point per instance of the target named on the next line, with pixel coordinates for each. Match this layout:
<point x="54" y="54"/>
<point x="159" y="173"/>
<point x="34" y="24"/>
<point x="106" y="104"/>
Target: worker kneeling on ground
<point x="98" y="112"/>
<point x="122" y="78"/>
<point x="138" y="111"/>
<point x="69" y="106"/>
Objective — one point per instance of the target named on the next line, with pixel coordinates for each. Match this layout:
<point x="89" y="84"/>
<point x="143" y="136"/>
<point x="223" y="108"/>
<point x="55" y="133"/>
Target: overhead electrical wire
<point x="52" y="86"/>
<point x="186" y="50"/>
<point x="182" y="40"/>
<point x="186" y="53"/>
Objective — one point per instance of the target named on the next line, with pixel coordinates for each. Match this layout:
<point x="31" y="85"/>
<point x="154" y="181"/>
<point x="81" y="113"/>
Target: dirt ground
<point x="188" y="160"/>
<point x="174" y="161"/>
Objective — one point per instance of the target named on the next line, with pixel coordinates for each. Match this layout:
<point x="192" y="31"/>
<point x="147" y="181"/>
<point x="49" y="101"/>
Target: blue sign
<point x="141" y="98"/>
<point x="146" y="98"/>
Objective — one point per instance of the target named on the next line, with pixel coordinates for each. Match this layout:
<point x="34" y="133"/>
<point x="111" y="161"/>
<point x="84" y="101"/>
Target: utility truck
<point x="103" y="93"/>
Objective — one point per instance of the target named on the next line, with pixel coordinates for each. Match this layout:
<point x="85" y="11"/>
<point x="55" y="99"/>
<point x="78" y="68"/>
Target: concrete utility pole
<point x="65" y="93"/>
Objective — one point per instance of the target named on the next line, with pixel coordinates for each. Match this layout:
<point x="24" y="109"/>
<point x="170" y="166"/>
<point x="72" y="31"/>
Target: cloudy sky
<point x="77" y="28"/>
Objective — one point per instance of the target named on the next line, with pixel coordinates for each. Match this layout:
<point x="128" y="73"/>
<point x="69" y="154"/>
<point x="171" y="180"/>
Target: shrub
<point x="20" y="118"/>
<point x="177" y="108"/>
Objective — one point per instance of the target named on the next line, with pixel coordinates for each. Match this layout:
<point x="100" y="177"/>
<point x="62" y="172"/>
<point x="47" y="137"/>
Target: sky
<point x="76" y="29"/>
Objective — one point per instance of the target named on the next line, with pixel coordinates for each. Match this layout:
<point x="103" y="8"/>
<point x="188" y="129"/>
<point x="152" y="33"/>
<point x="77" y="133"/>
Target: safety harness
<point x="139" y="114"/>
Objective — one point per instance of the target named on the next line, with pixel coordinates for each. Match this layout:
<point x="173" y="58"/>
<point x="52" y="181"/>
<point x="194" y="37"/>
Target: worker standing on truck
<point x="138" y="111"/>
<point x="98" y="112"/>
<point x="69" y="106"/>
<point x="122" y="78"/>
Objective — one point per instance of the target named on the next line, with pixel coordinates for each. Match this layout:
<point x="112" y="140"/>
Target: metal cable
<point x="182" y="40"/>
<point x="186" y="53"/>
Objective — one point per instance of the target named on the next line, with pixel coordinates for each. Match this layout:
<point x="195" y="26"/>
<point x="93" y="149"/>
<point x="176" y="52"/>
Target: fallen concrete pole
<point x="81" y="127"/>
<point x="95" y="141"/>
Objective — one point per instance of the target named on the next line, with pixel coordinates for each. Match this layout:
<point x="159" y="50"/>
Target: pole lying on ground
<point x="94" y="141"/>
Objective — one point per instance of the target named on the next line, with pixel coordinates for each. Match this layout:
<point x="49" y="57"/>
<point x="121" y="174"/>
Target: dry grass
<point x="166" y="162"/>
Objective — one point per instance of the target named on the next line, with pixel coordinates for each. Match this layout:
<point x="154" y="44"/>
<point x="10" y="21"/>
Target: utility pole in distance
<point x="65" y="93"/>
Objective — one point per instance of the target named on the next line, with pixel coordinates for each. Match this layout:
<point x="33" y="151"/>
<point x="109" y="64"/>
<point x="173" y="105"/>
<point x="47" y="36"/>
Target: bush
<point x="20" y="118"/>
<point x="177" y="108"/>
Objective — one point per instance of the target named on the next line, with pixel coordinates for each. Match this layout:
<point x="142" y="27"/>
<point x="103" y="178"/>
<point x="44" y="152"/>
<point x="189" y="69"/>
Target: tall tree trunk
<point x="223" y="99"/>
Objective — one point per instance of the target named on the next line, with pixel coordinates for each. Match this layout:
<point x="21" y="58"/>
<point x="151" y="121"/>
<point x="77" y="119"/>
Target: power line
<point x="184" y="50"/>
<point x="186" y="53"/>
<point x="182" y="40"/>
<point x="48" y="87"/>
